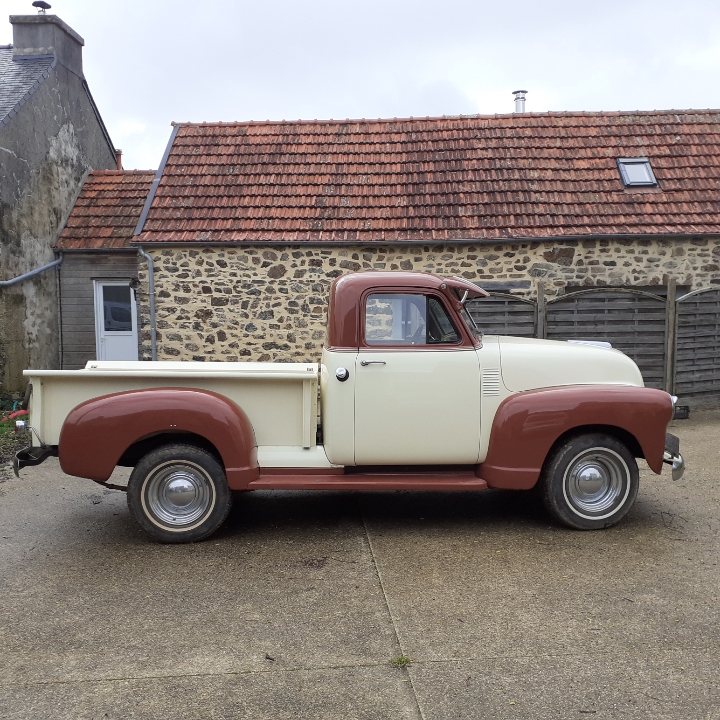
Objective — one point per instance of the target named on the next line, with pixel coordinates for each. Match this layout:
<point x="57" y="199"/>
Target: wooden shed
<point x="98" y="315"/>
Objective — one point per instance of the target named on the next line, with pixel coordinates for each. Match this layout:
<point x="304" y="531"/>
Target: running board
<point x="374" y="481"/>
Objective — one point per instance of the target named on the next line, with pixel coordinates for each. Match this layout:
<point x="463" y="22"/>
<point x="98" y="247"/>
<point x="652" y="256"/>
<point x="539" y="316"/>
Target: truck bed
<point x="280" y="399"/>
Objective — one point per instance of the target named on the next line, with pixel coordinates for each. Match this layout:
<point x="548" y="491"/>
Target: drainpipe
<point x="151" y="291"/>
<point x="32" y="273"/>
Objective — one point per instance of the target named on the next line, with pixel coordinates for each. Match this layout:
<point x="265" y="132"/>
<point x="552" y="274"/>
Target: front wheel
<point x="590" y="482"/>
<point x="179" y="493"/>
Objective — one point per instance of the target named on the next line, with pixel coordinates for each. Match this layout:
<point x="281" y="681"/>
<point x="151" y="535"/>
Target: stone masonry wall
<point x="47" y="150"/>
<point x="270" y="303"/>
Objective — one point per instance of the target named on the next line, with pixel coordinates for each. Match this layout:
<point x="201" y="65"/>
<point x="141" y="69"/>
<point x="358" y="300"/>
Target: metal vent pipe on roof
<point x="520" y="100"/>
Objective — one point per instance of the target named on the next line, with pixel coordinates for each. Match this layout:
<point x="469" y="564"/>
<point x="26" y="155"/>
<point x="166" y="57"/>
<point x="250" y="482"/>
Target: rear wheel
<point x="179" y="493"/>
<point x="590" y="482"/>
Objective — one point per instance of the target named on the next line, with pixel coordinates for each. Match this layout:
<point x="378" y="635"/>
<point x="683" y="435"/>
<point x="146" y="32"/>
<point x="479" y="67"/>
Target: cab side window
<point x="439" y="326"/>
<point x="396" y="319"/>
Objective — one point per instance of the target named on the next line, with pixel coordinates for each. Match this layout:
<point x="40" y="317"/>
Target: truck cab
<point x="401" y="372"/>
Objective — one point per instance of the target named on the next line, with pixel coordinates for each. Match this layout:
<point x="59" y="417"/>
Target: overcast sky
<point x="149" y="62"/>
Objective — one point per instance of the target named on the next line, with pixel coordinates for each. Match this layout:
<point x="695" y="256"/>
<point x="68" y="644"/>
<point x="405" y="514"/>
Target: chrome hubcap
<point x="596" y="483"/>
<point x="178" y="495"/>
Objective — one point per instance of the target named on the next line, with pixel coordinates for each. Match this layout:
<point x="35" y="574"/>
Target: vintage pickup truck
<point x="412" y="396"/>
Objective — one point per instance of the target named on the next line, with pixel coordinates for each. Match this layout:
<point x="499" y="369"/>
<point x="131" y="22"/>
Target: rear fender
<point x="97" y="433"/>
<point x="528" y="424"/>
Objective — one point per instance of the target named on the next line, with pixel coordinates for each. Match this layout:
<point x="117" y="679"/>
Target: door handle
<point x="365" y="363"/>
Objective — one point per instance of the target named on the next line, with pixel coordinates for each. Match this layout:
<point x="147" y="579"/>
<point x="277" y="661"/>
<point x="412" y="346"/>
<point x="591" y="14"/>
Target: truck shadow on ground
<point x="256" y="509"/>
<point x="489" y="510"/>
<point x="103" y="516"/>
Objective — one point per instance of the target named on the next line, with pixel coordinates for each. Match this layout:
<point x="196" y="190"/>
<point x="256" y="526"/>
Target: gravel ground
<point x="10" y="443"/>
<point x="298" y="606"/>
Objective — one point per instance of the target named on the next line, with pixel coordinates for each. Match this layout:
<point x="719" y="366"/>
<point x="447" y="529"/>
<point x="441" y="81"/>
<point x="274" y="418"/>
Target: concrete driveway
<point x="297" y="607"/>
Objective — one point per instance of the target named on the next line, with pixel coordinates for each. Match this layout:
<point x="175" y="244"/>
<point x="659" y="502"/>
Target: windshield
<point x="475" y="331"/>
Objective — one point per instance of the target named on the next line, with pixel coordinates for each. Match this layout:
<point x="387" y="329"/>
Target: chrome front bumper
<point x="672" y="456"/>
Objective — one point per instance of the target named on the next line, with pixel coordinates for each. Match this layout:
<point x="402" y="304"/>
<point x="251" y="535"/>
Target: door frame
<point x="99" y="312"/>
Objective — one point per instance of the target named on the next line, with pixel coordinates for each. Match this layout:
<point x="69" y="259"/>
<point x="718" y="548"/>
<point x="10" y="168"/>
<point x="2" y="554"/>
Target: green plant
<point x="7" y="421"/>
<point x="401" y="661"/>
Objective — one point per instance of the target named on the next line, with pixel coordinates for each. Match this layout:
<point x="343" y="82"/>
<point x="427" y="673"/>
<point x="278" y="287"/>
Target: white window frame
<point x="623" y="162"/>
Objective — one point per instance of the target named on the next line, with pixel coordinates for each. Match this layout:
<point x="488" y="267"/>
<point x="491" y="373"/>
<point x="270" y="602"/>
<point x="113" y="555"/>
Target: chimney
<point x="118" y="158"/>
<point x="520" y="100"/>
<point x="42" y="34"/>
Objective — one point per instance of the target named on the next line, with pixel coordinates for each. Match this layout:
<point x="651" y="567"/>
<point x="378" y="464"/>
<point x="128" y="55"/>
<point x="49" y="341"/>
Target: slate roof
<point x="438" y="179"/>
<point x="19" y="79"/>
<point x="107" y="210"/>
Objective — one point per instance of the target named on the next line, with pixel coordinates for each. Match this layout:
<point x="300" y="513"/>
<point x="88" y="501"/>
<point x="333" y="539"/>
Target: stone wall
<point x="270" y="303"/>
<point x="47" y="150"/>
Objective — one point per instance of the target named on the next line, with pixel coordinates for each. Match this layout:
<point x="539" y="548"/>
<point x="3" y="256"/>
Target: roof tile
<point x="18" y="78"/>
<point x="529" y="175"/>
<point x="107" y="210"/>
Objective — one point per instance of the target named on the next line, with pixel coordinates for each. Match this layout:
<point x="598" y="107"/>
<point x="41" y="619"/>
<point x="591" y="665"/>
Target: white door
<point x="417" y="390"/>
<point x="115" y="320"/>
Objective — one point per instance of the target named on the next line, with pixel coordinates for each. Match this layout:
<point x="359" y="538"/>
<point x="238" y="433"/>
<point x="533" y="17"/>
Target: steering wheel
<point x="418" y="336"/>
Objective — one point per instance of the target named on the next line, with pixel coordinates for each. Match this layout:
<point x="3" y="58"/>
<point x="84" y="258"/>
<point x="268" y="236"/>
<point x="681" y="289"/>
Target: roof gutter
<point x="429" y="241"/>
<point x="95" y="251"/>
<point x="151" y="291"/>
<point x="158" y="176"/>
<point x="32" y="273"/>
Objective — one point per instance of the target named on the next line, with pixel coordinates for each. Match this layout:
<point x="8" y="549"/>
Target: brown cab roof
<point x="437" y="179"/>
<point x="107" y="210"/>
<point x="346" y="292"/>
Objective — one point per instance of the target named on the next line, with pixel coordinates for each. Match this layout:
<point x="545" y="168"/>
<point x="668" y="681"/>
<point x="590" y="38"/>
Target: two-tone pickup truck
<point x="412" y="397"/>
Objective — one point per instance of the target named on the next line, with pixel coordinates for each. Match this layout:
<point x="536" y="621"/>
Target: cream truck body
<point x="413" y="415"/>
<point x="281" y="399"/>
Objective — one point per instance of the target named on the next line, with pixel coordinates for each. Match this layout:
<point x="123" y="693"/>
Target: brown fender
<point x="528" y="424"/>
<point x="96" y="433"/>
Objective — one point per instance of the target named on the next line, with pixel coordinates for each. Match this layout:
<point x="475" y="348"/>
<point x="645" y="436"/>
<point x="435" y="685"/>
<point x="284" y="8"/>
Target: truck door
<point x="417" y="387"/>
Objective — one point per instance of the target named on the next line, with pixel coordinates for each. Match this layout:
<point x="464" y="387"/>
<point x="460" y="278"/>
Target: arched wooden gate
<point x="633" y="321"/>
<point x="697" y="350"/>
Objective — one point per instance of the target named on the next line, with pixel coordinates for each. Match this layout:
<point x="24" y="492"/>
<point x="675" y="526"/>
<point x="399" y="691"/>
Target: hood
<point x="528" y="364"/>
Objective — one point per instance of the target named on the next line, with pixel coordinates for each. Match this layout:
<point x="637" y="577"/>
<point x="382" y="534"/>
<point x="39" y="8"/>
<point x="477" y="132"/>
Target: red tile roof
<point x="436" y="179"/>
<point x="107" y="210"/>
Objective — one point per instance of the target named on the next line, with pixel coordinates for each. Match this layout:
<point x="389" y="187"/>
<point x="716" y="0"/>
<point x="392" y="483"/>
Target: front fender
<point x="97" y="432"/>
<point x="528" y="424"/>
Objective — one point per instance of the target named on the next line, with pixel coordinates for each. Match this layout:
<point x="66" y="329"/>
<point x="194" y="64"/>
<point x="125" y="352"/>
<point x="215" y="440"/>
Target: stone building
<point x="248" y="223"/>
<point x="51" y="135"/>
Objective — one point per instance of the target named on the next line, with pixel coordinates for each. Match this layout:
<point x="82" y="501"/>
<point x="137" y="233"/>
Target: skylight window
<point x="636" y="172"/>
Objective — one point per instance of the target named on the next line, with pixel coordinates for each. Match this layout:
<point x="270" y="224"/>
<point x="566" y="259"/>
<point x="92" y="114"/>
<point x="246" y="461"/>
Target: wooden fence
<point x="697" y="350"/>
<point x="502" y="314"/>
<point x="675" y="342"/>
